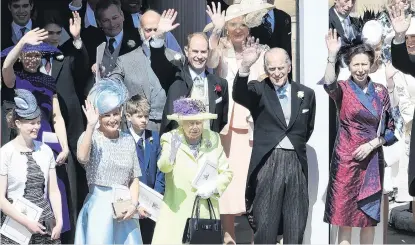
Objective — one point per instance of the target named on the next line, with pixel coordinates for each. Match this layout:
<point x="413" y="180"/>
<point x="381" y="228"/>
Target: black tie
<point x="111" y="45"/>
<point x="267" y="24"/>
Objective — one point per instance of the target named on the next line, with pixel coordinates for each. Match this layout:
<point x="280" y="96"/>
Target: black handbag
<point x="202" y="231"/>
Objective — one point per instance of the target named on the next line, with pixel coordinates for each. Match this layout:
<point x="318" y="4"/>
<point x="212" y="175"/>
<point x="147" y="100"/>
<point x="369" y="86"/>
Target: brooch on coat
<point x="300" y="94"/>
<point x="208" y="143"/>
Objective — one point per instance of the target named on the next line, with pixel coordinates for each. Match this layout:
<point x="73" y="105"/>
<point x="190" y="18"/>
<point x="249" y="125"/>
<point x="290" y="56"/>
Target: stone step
<point x="400" y="218"/>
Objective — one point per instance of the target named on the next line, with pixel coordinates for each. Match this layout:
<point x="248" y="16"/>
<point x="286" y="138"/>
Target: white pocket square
<point x="218" y="100"/>
<point x="305" y="110"/>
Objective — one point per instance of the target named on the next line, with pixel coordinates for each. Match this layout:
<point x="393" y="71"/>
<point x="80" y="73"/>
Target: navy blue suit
<point x="151" y="176"/>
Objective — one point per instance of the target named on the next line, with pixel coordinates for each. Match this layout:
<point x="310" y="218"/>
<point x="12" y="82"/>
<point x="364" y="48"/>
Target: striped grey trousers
<point x="281" y="194"/>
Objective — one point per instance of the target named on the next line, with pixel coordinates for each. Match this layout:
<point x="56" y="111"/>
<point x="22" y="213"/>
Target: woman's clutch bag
<point x="120" y="208"/>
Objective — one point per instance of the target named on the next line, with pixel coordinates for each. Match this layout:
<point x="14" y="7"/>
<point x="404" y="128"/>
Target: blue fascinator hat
<point x="26" y="105"/>
<point x="190" y="109"/>
<point x="107" y="94"/>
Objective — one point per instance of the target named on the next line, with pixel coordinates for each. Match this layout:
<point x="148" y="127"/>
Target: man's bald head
<point x="277" y="65"/>
<point x="149" y="22"/>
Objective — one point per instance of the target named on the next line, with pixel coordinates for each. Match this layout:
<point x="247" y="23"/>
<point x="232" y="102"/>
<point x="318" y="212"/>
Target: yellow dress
<point x="179" y="194"/>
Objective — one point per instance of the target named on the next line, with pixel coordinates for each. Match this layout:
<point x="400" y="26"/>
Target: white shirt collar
<point x="136" y="136"/>
<point x="16" y="27"/>
<point x="118" y="39"/>
<point x="194" y="74"/>
<point x="136" y="19"/>
<point x="90" y="17"/>
<point x="342" y="19"/>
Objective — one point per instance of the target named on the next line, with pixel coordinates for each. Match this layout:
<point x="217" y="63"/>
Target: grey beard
<point x="412" y="58"/>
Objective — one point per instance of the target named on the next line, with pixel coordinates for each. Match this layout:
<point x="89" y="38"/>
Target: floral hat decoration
<point x="190" y="109"/>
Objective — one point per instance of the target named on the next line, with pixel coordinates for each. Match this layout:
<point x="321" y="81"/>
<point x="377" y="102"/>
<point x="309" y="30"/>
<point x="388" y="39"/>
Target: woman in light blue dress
<point x="110" y="160"/>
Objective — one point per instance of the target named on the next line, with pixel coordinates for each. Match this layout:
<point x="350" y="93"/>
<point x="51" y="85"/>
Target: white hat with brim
<point x="197" y="117"/>
<point x="411" y="30"/>
<point x="243" y="8"/>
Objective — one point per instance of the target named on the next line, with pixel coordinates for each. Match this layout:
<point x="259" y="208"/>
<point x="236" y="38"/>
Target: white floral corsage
<point x="378" y="89"/>
<point x="300" y="94"/>
<point x="150" y="139"/>
<point x="60" y="57"/>
<point x="131" y="43"/>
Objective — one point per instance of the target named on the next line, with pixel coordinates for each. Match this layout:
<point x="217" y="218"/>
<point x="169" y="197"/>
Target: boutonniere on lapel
<point x="300" y="94"/>
<point x="131" y="43"/>
<point x="150" y="139"/>
<point x="60" y="57"/>
<point x="218" y="88"/>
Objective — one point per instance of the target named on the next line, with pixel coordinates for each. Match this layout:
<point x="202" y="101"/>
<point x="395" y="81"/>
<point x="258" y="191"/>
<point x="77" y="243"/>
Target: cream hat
<point x="411" y="30"/>
<point x="254" y="9"/>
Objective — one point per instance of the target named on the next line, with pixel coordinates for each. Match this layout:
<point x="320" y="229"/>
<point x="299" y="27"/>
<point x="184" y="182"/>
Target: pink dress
<point x="237" y="135"/>
<point x="354" y="191"/>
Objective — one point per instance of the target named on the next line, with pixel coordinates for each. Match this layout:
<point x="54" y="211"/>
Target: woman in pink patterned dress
<point x="354" y="192"/>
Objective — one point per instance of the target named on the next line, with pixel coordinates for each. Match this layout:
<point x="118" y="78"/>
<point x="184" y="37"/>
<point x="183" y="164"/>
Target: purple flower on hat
<point x="187" y="107"/>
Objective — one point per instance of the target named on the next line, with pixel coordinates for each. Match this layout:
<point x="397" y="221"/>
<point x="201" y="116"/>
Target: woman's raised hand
<point x="91" y="113"/>
<point x="333" y="42"/>
<point x="35" y="36"/>
<point x="216" y="15"/>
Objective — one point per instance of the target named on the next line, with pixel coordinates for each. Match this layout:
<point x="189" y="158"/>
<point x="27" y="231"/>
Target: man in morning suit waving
<point x="196" y="82"/>
<point x="283" y="113"/>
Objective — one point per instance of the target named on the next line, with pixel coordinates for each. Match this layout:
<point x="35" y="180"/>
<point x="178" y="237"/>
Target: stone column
<point x="312" y="28"/>
<point x="191" y="16"/>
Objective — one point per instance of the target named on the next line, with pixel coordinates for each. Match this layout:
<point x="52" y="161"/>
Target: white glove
<point x="207" y="190"/>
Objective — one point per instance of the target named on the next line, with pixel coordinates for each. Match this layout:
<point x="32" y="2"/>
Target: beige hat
<point x="411" y="30"/>
<point x="254" y="9"/>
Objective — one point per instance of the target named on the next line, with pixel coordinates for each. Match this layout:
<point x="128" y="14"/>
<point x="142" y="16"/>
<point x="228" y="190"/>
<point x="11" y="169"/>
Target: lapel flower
<point x="378" y="89"/>
<point x="177" y="56"/>
<point x="60" y="57"/>
<point x="151" y="139"/>
<point x="300" y="94"/>
<point x="218" y="88"/>
<point x="131" y="43"/>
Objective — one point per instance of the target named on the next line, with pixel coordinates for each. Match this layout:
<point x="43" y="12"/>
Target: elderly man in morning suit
<point x="135" y="70"/>
<point x="283" y="113"/>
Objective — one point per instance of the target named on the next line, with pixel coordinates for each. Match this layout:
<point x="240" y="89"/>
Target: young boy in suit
<point x="148" y="151"/>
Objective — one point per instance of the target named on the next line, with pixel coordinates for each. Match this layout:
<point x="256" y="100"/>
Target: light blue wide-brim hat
<point x="107" y="95"/>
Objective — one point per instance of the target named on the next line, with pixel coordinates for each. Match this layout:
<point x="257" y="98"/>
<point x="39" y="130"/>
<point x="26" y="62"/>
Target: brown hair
<point x="103" y="5"/>
<point x="137" y="104"/>
<point x="11" y="118"/>
<point x="190" y="36"/>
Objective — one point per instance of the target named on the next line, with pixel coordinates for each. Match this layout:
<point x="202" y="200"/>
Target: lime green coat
<point x="179" y="194"/>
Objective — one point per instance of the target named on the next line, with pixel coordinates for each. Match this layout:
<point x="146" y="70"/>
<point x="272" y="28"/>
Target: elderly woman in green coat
<point x="184" y="151"/>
